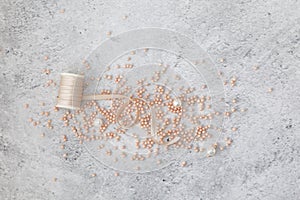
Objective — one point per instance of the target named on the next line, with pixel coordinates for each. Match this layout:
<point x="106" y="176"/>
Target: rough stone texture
<point x="263" y="162"/>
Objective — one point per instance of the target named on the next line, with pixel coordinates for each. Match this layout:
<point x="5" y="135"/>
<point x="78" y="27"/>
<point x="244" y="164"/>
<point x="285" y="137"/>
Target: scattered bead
<point x="270" y="90"/>
<point x="211" y="152"/>
<point x="47" y="71"/>
<point x="255" y="68"/>
<point x="109" y="33"/>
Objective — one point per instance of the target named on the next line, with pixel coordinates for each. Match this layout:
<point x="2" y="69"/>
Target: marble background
<point x="263" y="162"/>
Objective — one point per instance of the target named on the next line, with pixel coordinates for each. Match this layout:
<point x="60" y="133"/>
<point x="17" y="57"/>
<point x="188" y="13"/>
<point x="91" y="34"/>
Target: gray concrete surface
<point x="263" y="162"/>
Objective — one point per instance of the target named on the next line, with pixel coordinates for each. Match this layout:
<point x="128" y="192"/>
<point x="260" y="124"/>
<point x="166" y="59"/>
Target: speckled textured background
<point x="263" y="162"/>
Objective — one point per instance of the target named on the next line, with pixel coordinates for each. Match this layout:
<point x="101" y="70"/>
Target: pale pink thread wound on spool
<point x="70" y="91"/>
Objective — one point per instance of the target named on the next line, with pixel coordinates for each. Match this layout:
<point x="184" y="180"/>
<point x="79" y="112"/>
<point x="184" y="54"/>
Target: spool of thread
<point x="70" y="91"/>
